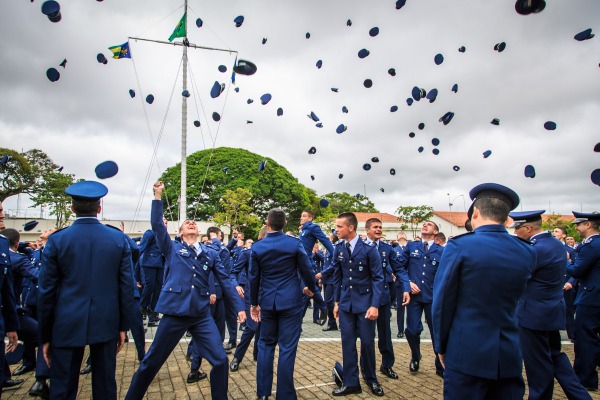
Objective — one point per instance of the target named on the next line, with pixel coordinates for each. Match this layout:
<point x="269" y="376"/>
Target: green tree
<point x="211" y="172"/>
<point x="555" y="221"/>
<point x="51" y="194"/>
<point x="412" y="216"/>
<point x="16" y="176"/>
<point x="344" y="202"/>
<point x="236" y="212"/>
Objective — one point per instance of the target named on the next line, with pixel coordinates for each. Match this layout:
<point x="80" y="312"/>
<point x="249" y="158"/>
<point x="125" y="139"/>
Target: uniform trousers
<point x="206" y="338"/>
<point x="330" y="301"/>
<point x="153" y="281"/>
<point x="459" y="386"/>
<point x="252" y="331"/>
<point x="587" y="345"/>
<point x="414" y="327"/>
<point x="350" y="325"/>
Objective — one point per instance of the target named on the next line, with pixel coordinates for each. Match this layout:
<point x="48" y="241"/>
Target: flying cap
<point x="495" y="121"/>
<point x="487" y="153"/>
<point x="53" y="74"/>
<point x="345" y="109"/>
<point x="264" y="40"/>
<point x="432" y="95"/>
<point x="340" y="176"/>
<point x="197" y="124"/>
<point x="101" y="58"/>
<point x="362" y="53"/>
<point x="462" y="49"/>
<point x="446" y="118"/>
<point x="582" y="217"/>
<point x="409" y="101"/>
<point x="63" y="63"/>
<point x="435" y="152"/>
<point x="86" y="191"/>
<point x="393" y="108"/>
<point x="307" y="35"/>
<point x="312" y="150"/>
<point x="456" y="168"/>
<point x="319" y="64"/>
<point x="366" y="166"/>
<point x="132" y="93"/>
<point x="497" y="191"/>
<point x="279" y="112"/>
<point x="595" y="177"/>
<point x="529" y="171"/>
<point x="265" y="98"/>
<point x="435" y="141"/>
<point x="400" y="4"/>
<point x="334" y="89"/>
<point x="185" y="93"/>
<point x="319" y="125"/>
<point x="249" y="101"/>
<point x="244" y="67"/>
<point x="199" y="22"/>
<point x="522" y="217"/>
<point x="455" y="87"/>
<point x="368" y="83"/>
<point x="375" y="159"/>
<point x="420" y="149"/>
<point x="526" y="7"/>
<point x="107" y="169"/>
<point x="216" y="90"/>
<point x="216" y="117"/>
<point x="374" y="31"/>
<point x="341" y="128"/>
<point x="597" y="147"/>
<point x="312" y="177"/>
<point x="262" y="165"/>
<point x="323" y="203"/>
<point x="438" y="59"/>
<point x="150" y="99"/>
<point x="549" y="125"/>
<point x="349" y="23"/>
<point x="392" y="71"/>
<point x="584" y="35"/>
<point x="29" y="226"/>
<point x="222" y="68"/>
<point x="313" y="116"/>
<point x="5" y="159"/>
<point x="392" y="171"/>
<point x="421" y="126"/>
<point x="239" y="20"/>
<point x="51" y="9"/>
<point x="411" y="135"/>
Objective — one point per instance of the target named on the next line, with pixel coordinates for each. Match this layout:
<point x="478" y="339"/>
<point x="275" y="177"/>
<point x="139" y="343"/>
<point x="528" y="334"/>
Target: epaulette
<point x="58" y="230"/>
<point x="114" y="227"/>
<point x="462" y="234"/>
<point x="588" y="240"/>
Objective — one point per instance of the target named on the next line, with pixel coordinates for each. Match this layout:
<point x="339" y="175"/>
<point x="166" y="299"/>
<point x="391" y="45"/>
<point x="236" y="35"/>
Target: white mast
<point x="183" y="195"/>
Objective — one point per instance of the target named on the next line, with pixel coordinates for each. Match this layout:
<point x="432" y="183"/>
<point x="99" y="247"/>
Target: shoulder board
<point x="588" y="240"/>
<point x="58" y="230"/>
<point x="463" y="234"/>
<point x="112" y="226"/>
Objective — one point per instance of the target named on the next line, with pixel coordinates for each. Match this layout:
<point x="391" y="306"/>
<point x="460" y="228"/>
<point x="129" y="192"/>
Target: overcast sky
<point x="88" y="116"/>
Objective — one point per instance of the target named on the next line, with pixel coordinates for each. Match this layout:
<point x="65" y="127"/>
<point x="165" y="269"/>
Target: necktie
<point x="349" y="248"/>
<point x="426" y="246"/>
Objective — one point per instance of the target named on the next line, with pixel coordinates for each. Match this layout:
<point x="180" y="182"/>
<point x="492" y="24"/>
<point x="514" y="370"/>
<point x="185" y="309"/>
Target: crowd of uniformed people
<point x="493" y="302"/>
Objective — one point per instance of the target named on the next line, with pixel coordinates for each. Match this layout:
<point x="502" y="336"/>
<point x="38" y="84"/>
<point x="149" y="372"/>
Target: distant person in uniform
<point x="586" y="268"/>
<point x="440" y="238"/>
<point x="481" y="277"/>
<point x="400" y="309"/>
<point x="152" y="263"/>
<point x="85" y="296"/>
<point x="541" y="313"/>
<point x="279" y="269"/>
<point x="326" y="277"/>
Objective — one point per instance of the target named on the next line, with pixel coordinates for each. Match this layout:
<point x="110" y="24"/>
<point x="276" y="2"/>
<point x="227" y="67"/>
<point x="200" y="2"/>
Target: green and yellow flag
<point x="120" y="51"/>
<point x="180" y="29"/>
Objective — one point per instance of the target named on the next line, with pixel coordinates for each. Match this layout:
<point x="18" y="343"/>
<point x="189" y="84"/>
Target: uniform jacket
<point x="239" y="272"/>
<point x="216" y="245"/>
<point x="151" y="257"/>
<point x="542" y="306"/>
<point x="309" y="235"/>
<point x="9" y="321"/>
<point x="22" y="267"/>
<point x="277" y="264"/>
<point x="357" y="278"/>
<point x="421" y="268"/>
<point x="85" y="292"/>
<point x="390" y="264"/>
<point x="586" y="269"/>
<point x="481" y="278"/>
<point x="185" y="289"/>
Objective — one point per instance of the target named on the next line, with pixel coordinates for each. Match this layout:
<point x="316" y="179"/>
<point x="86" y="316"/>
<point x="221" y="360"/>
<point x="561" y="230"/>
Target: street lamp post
<point x="450" y="204"/>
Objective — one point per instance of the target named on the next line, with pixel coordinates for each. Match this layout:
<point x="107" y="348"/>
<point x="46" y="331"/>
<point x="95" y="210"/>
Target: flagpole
<point x="183" y="201"/>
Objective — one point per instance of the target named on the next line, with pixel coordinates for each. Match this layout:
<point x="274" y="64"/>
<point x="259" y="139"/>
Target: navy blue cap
<point x="362" y="53"/>
<point x="63" y="63"/>
<point x="529" y="171"/>
<point x="312" y="177"/>
<point x="334" y="89"/>
<point x="323" y="203"/>
<point x="86" y="191"/>
<point x="497" y="191"/>
<point x="582" y="217"/>
<point x="456" y="168"/>
<point x="421" y="126"/>
<point x="53" y="74"/>
<point x="244" y="67"/>
<point x="435" y="152"/>
<point x="265" y="98"/>
<point x="319" y="64"/>
<point x="392" y="171"/>
<point x="375" y="159"/>
<point x="216" y="89"/>
<point x="132" y="93"/>
<point x="237" y="89"/>
<point x="595" y="177"/>
<point x="366" y="166"/>
<point x="224" y="169"/>
<point x="197" y="124"/>
<point x="279" y="112"/>
<point x="307" y="35"/>
<point x="394" y="108"/>
<point x="411" y="135"/>
<point x="382" y="190"/>
<point x="101" y="58"/>
<point x="432" y="95"/>
<point x="499" y="47"/>
<point x="420" y="149"/>
<point x="264" y="40"/>
<point x="60" y="169"/>
<point x="522" y="217"/>
<point x="438" y="59"/>
<point x="185" y="93"/>
<point x="446" y="118"/>
<point x="495" y="121"/>
<point x="349" y="23"/>
<point x="345" y="109"/>
<point x="409" y="101"/>
<point x="30" y="225"/>
<point x="374" y="31"/>
<point x="313" y="116"/>
<point x="249" y="122"/>
<point x="526" y="7"/>
<point x="199" y="22"/>
<point x="239" y="20"/>
<point x="341" y="128"/>
<point x="435" y="141"/>
<point x="5" y="159"/>
<point x="107" y="169"/>
<point x="312" y="150"/>
<point x="262" y="165"/>
<point x="416" y="93"/>
<point x="357" y="195"/>
<point x="549" y="125"/>
<point x="249" y="101"/>
<point x="400" y="4"/>
<point x="392" y="71"/>
<point x="597" y="148"/>
<point x="51" y="9"/>
<point x="584" y="35"/>
<point x="455" y="87"/>
<point x="216" y="116"/>
<point x="222" y="68"/>
<point x="150" y="99"/>
<point x="462" y="49"/>
<point x="319" y="125"/>
<point x="340" y="176"/>
<point x="487" y="153"/>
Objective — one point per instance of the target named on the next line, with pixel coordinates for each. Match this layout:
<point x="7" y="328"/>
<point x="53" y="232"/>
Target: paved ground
<point x="317" y="352"/>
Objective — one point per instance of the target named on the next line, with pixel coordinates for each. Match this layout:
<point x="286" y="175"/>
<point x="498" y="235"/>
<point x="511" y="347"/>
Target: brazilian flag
<point x="180" y="30"/>
<point x="121" y="51"/>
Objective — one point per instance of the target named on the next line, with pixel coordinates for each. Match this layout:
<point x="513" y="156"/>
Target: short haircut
<point x="12" y="235"/>
<point x="371" y="221"/>
<point x="334" y="237"/>
<point x="493" y="208"/>
<point x="441" y="236"/>
<point x="212" y="229"/>
<point x="85" y="208"/>
<point x="276" y="218"/>
<point x="435" y="225"/>
<point x="263" y="232"/>
<point x="350" y="219"/>
<point x="536" y="224"/>
<point x="563" y="230"/>
<point x="595" y="225"/>
<point x="310" y="213"/>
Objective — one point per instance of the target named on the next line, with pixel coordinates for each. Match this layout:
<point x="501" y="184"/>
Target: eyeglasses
<point x="521" y="226"/>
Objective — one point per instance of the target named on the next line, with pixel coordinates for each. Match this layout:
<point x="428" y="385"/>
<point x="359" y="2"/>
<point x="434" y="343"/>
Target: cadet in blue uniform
<point x="85" y="296"/>
<point x="400" y="310"/>
<point x="541" y="313"/>
<point x="9" y="322"/>
<point x="310" y="233"/>
<point x="152" y="264"/>
<point x="481" y="277"/>
<point x="421" y="259"/>
<point x="184" y="303"/>
<point x="326" y="276"/>
<point x="390" y="266"/>
<point x="586" y="269"/>
<point x="358" y="281"/>
<point x="278" y="265"/>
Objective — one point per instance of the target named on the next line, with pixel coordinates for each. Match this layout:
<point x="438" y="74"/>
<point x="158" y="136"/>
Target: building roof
<point x="384" y="217"/>
<point x="456" y="218"/>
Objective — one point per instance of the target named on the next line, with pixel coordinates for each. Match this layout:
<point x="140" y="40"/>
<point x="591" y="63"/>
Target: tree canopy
<point x="412" y="216"/>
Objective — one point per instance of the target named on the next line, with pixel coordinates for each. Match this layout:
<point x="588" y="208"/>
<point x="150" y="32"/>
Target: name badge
<point x="183" y="251"/>
<point x="360" y="268"/>
<point x="205" y="267"/>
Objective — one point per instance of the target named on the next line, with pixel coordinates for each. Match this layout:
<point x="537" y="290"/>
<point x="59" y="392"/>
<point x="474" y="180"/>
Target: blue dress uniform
<point x="400" y="309"/>
<point x="278" y="263"/>
<point x="569" y="295"/>
<point x="586" y="269"/>
<point x="152" y="264"/>
<point x="328" y="290"/>
<point x="184" y="303"/>
<point x="422" y="266"/>
<point x="85" y="298"/>
<point x="8" y="318"/>
<point x="481" y="277"/>
<point x="358" y="281"/>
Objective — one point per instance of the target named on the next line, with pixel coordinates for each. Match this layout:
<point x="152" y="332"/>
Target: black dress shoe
<point x="22" y="370"/>
<point x="400" y="335"/>
<point x="40" y="389"/>
<point x="86" y="370"/>
<point x="322" y="321"/>
<point x="12" y="383"/>
<point x="228" y="352"/>
<point x="376" y="388"/>
<point x="234" y="365"/>
<point x="389" y="372"/>
<point x="152" y="323"/>
<point x="414" y="366"/>
<point x="346" y="390"/>
<point x="440" y="374"/>
<point x="195" y="376"/>
<point x="229" y="346"/>
<point x="330" y="328"/>
<point x="315" y="321"/>
<point x="263" y="397"/>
